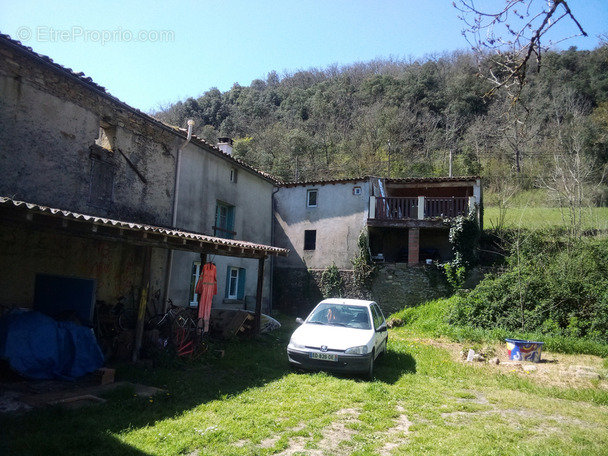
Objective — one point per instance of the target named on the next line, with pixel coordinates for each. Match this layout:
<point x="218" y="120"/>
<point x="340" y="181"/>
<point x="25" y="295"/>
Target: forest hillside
<point x="421" y="118"/>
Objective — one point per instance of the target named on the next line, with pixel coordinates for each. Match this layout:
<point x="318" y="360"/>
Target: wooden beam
<point x="143" y="302"/>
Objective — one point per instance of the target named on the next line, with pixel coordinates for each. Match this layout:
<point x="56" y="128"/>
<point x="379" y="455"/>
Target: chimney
<point x="225" y="145"/>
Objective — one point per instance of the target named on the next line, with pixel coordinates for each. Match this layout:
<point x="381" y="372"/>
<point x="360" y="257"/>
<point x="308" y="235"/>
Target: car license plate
<point x="323" y="356"/>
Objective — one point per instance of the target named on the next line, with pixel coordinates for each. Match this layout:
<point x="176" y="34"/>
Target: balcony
<point x="418" y="208"/>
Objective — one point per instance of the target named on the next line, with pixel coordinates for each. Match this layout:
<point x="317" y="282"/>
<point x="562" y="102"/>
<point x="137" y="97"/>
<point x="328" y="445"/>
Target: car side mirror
<point x="382" y="328"/>
<point x="299" y="321"/>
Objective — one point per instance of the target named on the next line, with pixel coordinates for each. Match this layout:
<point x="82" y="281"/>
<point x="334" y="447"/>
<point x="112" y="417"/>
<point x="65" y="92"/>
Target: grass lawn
<point x="544" y="217"/>
<point x="424" y="400"/>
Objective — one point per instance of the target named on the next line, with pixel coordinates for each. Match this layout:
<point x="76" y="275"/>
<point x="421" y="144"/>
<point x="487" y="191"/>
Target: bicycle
<point x="179" y="330"/>
<point x="186" y="335"/>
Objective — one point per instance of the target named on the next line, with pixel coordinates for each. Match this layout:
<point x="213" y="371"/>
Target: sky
<point x="150" y="54"/>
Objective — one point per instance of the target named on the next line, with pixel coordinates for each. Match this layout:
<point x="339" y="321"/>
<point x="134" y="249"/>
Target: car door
<point x="380" y="328"/>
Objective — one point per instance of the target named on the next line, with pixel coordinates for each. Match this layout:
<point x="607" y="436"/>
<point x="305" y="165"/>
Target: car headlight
<point x="360" y="350"/>
<point x="296" y="345"/>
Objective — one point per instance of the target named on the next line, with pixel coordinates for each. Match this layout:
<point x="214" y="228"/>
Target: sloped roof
<point x="352" y="180"/>
<point x="355" y="180"/>
<point x="431" y="179"/>
<point x="73" y="223"/>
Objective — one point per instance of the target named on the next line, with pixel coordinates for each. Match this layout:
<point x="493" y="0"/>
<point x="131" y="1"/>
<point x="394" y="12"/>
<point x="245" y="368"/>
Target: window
<point x="235" y="283"/>
<point x="357" y="191"/>
<point x="233" y="175"/>
<point x="311" y="198"/>
<point x="377" y="316"/>
<point x="310" y="239"/>
<point x="107" y="136"/>
<point x="224" y="221"/>
<point x="196" y="272"/>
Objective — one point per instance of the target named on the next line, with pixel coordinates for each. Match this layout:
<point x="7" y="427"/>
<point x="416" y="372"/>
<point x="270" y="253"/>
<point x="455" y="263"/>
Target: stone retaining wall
<point x="395" y="286"/>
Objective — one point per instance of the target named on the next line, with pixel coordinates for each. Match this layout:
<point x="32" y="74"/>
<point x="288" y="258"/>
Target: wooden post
<point x="372" y="207"/>
<point x="421" y="208"/>
<point x="258" y="297"/>
<point x="143" y="302"/>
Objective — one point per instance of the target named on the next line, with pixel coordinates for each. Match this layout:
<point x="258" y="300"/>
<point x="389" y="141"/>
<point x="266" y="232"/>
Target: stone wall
<point x="52" y="122"/>
<point x="395" y="286"/>
<point x="398" y="285"/>
<point x="295" y="291"/>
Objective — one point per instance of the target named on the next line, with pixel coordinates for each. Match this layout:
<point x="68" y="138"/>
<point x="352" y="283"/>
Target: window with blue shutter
<point x="235" y="283"/>
<point x="224" y="221"/>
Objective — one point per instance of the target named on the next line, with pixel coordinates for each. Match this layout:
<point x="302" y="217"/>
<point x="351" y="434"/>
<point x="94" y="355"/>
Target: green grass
<point x="429" y="320"/>
<point x="250" y="403"/>
<point x="544" y="217"/>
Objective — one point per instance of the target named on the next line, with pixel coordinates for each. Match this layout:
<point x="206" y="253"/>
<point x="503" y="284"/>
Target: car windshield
<point x="340" y="315"/>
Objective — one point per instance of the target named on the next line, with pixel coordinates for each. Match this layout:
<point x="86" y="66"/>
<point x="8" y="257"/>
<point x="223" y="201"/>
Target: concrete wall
<point x="205" y="178"/>
<point x="338" y="219"/>
<point x="50" y="145"/>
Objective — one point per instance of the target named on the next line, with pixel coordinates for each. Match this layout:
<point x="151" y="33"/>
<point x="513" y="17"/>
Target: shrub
<point x="331" y="282"/>
<point x="464" y="238"/>
<point x="548" y="287"/>
<point x="364" y="269"/>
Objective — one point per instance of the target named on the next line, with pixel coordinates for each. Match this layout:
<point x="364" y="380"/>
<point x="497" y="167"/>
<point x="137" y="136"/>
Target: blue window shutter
<point x="241" y="292"/>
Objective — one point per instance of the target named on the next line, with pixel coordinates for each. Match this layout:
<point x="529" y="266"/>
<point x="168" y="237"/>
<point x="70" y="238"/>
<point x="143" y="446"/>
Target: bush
<point x="548" y="287"/>
<point x="364" y="269"/>
<point x="331" y="282"/>
<point x="464" y="237"/>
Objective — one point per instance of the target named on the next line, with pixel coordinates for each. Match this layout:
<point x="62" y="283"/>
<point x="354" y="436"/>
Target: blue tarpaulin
<point x="39" y="347"/>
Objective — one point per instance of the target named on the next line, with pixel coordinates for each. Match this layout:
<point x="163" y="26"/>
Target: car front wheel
<point x="370" y="367"/>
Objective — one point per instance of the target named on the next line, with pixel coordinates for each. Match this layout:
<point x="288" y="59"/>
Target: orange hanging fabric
<point x="206" y="288"/>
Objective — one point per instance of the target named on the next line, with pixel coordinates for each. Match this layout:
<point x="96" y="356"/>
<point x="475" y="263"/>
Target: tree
<point x="512" y="37"/>
<point x="573" y="179"/>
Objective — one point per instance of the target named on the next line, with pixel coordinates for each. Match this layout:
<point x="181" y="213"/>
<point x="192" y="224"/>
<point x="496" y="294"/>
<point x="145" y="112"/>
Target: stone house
<point x="101" y="199"/>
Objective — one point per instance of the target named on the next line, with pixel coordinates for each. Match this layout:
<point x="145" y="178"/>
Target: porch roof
<point x="36" y="216"/>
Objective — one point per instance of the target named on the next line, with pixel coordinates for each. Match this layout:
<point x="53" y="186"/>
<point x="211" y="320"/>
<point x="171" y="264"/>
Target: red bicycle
<point x="178" y="328"/>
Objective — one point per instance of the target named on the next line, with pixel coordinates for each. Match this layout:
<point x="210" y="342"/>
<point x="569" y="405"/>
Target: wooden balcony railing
<point x="396" y="208"/>
<point x="445" y="207"/>
<point x="410" y="208"/>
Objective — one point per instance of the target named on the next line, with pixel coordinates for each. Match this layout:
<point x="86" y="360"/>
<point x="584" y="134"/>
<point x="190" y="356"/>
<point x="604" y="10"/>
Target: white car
<point x="340" y="335"/>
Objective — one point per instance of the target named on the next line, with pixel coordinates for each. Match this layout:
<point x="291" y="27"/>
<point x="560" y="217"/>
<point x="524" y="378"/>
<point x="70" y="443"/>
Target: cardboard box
<point x="105" y="375"/>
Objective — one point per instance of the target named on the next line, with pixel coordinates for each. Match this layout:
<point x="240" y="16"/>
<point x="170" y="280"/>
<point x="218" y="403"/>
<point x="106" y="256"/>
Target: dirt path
<point x="554" y="369"/>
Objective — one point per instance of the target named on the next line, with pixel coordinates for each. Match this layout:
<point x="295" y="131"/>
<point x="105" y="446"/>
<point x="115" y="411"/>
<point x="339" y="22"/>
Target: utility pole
<point x="450" y="172"/>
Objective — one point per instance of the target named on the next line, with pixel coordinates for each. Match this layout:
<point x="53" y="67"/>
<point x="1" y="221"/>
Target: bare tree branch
<point x="507" y="40"/>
